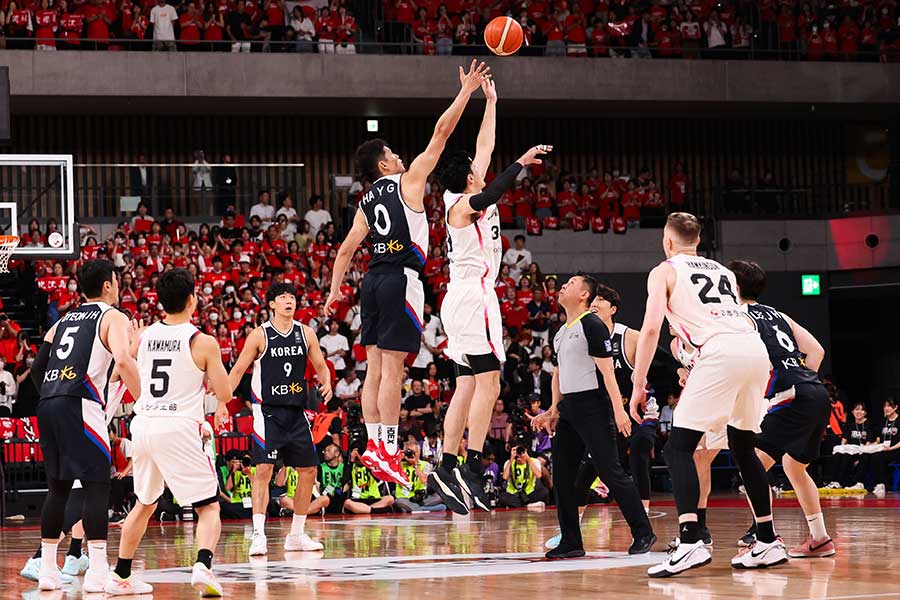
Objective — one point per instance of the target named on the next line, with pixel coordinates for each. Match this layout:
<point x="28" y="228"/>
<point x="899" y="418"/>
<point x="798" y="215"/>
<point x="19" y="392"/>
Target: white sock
<point x="48" y="557"/>
<point x="97" y="556"/>
<point x="297" y="524"/>
<point x="259" y="523"/>
<point x="373" y="430"/>
<point x="816" y="524"/>
<point x="390" y="438"/>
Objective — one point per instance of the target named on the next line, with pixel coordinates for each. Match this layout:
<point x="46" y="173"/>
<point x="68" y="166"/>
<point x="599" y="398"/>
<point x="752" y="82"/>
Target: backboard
<point x="38" y="190"/>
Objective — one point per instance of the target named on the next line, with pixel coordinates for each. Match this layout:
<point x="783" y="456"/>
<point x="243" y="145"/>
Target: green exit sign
<point x="811" y="285"/>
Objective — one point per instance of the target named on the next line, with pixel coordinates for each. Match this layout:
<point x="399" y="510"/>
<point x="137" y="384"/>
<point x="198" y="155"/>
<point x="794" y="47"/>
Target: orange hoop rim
<point x="9" y="239"/>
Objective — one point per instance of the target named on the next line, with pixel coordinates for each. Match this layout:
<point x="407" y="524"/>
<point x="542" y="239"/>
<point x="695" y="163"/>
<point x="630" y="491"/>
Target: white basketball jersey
<point x="475" y="250"/>
<point x="171" y="383"/>
<point x="703" y="302"/>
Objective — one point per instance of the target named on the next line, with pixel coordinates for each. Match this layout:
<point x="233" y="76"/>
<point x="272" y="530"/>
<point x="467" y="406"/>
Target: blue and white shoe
<point x="76" y="566"/>
<point x="553" y="542"/>
<point x="32" y="569"/>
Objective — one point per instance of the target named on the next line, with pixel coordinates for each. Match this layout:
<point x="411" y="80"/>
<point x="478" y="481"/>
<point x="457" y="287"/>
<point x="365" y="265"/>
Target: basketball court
<point x="500" y="556"/>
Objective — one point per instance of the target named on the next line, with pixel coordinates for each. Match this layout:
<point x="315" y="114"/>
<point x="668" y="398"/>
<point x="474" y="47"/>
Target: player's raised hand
<point x="471" y="81"/>
<point x="531" y="157"/>
<point x="489" y="89"/>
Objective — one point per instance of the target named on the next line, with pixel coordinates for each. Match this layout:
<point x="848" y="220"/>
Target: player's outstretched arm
<point x="318" y="363"/>
<point x="252" y="348"/>
<point x="484" y="145"/>
<point x="355" y="236"/>
<point x="415" y="177"/>
<point x="504" y="182"/>
<point x="208" y="357"/>
<point x="118" y="339"/>
<point x="807" y="344"/>
<point x="657" y="296"/>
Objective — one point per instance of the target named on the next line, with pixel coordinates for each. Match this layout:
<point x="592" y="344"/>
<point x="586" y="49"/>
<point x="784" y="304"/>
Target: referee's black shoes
<point x="443" y="483"/>
<point x="642" y="544"/>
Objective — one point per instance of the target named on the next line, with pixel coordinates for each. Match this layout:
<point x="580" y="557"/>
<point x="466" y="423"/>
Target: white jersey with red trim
<point x="703" y="302"/>
<point x="475" y="250"/>
<point x="171" y="382"/>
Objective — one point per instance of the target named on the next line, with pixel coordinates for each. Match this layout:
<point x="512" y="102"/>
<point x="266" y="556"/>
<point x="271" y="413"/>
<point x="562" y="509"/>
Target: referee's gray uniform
<point x="586" y="424"/>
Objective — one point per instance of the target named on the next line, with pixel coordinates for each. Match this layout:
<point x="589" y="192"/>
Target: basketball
<point x="503" y="36"/>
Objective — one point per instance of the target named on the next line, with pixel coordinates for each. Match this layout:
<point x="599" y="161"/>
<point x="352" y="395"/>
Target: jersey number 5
<point x="66" y="342"/>
<point x="160" y="377"/>
<point x="707" y="283"/>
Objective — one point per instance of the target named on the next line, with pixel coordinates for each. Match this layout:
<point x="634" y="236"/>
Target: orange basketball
<point x="503" y="36"/>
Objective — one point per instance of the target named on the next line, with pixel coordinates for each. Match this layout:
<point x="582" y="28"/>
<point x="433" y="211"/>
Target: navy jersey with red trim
<point x="399" y="234"/>
<point x="788" y="366"/>
<point x="279" y="374"/>
<point x="79" y="364"/>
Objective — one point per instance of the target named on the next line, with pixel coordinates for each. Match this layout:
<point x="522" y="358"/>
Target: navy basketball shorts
<point x="795" y="426"/>
<point x="74" y="439"/>
<point x="282" y="432"/>
<point x="391" y="306"/>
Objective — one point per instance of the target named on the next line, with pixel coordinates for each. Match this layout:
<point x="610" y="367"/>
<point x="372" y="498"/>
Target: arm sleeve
<point x="40" y="365"/>
<point x="497" y="188"/>
<point x="599" y="345"/>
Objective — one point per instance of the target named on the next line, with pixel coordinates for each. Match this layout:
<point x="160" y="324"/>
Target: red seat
<point x="28" y="429"/>
<point x="231" y="441"/>
<point x="244" y="424"/>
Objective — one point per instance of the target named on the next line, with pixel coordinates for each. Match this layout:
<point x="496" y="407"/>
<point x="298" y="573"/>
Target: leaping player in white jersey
<point x="726" y="387"/>
<point x="174" y="358"/>
<point x="471" y="311"/>
<point x="392" y="299"/>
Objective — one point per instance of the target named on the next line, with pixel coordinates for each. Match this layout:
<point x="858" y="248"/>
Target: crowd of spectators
<point x="866" y="30"/>
<point x="785" y="29"/>
<point x="195" y="25"/>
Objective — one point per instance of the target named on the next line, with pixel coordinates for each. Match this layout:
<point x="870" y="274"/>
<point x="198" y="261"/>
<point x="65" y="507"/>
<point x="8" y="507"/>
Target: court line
<point x="882" y="595"/>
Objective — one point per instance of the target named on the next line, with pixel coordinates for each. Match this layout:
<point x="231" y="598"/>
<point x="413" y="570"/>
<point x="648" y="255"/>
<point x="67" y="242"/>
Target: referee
<point x="582" y="415"/>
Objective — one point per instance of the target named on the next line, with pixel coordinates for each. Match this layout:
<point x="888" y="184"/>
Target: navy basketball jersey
<point x="399" y="234"/>
<point x="79" y="363"/>
<point x="624" y="369"/>
<point x="279" y="374"/>
<point x="788" y="367"/>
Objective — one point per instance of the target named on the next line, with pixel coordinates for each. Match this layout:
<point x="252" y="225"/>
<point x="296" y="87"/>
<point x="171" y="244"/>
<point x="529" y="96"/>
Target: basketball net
<point x="8" y="243"/>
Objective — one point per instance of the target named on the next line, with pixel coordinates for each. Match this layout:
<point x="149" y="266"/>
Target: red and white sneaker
<point x="372" y="460"/>
<point x="811" y="548"/>
<point x="392" y="470"/>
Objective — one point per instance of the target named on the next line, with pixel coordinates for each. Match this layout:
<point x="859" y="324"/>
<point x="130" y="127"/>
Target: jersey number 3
<point x="707" y="283"/>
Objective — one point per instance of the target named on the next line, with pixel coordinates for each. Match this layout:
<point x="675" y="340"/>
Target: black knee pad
<point x="741" y="443"/>
<point x="682" y="442"/>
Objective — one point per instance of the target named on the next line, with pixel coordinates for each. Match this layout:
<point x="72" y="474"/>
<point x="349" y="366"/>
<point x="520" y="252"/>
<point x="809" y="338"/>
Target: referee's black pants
<point x="586" y="422"/>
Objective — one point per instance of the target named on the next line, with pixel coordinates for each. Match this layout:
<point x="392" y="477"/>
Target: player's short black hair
<point x="93" y="274"/>
<point x="590" y="283"/>
<point x="368" y="155"/>
<point x="454" y="171"/>
<point x="519" y="237"/>
<point x="175" y="288"/>
<point x="610" y="295"/>
<point x="751" y="278"/>
<point x="278" y="289"/>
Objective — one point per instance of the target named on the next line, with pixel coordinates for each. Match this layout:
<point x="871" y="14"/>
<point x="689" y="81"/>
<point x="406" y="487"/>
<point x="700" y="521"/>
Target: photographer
<point x="287" y="478"/>
<point x="365" y="492"/>
<point x="333" y="480"/>
<point x="416" y="498"/>
<point x="8" y="390"/>
<point x="235" y="502"/>
<point x="522" y="475"/>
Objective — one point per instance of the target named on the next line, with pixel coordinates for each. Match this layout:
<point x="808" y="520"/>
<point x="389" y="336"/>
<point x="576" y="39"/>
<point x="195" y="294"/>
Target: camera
<point x="409" y="454"/>
<point x="245" y="462"/>
<point x="520" y="451"/>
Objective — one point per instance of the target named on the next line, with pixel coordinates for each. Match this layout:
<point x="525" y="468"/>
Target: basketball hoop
<point x="8" y="243"/>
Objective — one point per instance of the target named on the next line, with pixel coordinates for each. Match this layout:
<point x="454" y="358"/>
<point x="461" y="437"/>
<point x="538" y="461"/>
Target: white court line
<point x="883" y="595"/>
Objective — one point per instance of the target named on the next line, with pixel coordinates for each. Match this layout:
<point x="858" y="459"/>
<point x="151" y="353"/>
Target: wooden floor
<point x="487" y="557"/>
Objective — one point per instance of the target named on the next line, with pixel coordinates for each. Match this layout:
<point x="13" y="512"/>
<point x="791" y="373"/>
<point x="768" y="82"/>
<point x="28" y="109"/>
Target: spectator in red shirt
<point x="325" y="31"/>
<point x="523" y="199"/>
<point x="191" y="28"/>
<point x="71" y="24"/>
<point x="275" y="12"/>
<point x="668" y="41"/>
<point x="848" y="36"/>
<point x="9" y="341"/>
<point x="346" y="32"/>
<point x="678" y="186"/>
<point x="787" y="33"/>
<point x="576" y="32"/>
<point x="868" y="42"/>
<point x="631" y="205"/>
<point x="815" y="45"/>
<point x="98" y="18"/>
<point x="19" y="28"/>
<point x="600" y="37"/>
<point x="421" y="28"/>
<point x="555" y="33"/>
<point x="830" y="41"/>
<point x="404" y="11"/>
<point x="47" y="21"/>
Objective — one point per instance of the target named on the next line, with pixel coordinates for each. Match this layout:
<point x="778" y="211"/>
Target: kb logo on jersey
<point x="287" y="389"/>
<point x="390" y="247"/>
<point x="66" y="373"/>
